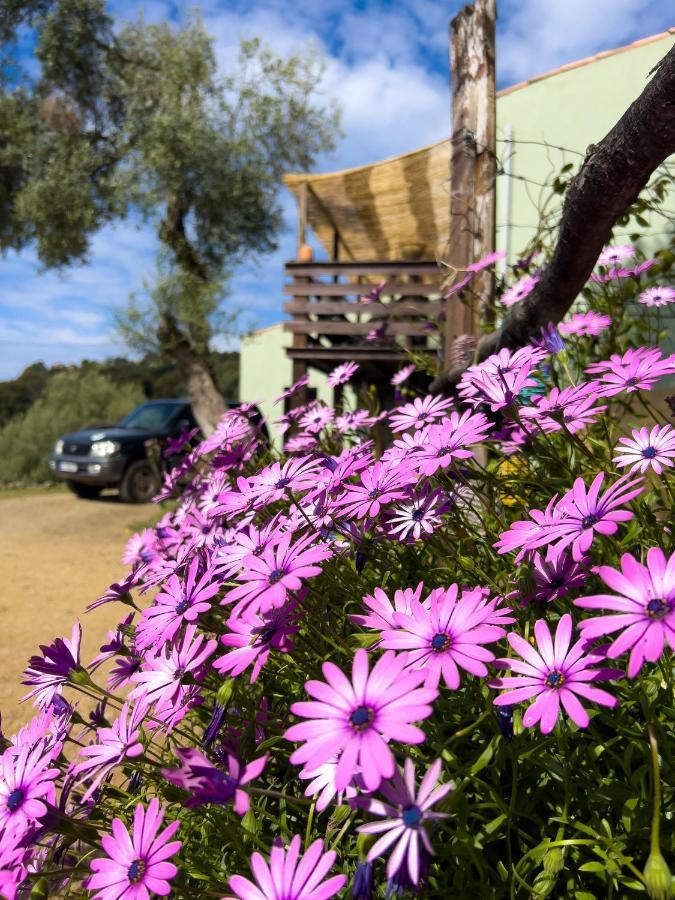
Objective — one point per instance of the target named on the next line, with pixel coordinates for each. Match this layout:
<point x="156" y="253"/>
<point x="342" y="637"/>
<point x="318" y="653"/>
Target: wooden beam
<point x="342" y="289"/>
<point x="473" y="160"/>
<point x="416" y="329"/>
<point x="423" y="308"/>
<point x="376" y="267"/>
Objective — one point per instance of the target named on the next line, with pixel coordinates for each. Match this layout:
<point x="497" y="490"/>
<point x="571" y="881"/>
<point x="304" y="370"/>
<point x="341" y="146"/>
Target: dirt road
<point x="57" y="554"/>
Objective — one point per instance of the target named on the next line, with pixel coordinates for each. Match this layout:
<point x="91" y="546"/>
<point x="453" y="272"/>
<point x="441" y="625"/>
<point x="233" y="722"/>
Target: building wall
<point x="571" y="109"/>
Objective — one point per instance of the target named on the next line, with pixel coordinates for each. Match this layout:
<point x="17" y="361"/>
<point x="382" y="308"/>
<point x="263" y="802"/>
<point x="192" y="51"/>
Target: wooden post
<point x="302" y="215"/>
<point x="473" y="162"/>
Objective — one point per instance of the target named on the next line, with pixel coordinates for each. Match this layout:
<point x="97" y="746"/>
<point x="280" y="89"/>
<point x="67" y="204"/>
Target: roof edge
<point x="577" y="64"/>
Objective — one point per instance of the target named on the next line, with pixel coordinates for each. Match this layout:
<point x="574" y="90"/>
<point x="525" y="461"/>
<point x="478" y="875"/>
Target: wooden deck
<point x="331" y="323"/>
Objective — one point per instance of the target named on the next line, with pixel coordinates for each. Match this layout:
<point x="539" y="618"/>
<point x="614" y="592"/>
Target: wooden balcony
<point x="331" y="323"/>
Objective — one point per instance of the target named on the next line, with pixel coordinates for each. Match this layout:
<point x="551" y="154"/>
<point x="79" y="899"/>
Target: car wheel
<point x="139" y="484"/>
<point x="85" y="491"/>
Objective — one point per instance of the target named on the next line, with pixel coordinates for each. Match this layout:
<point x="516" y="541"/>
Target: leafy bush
<point x="503" y="729"/>
<point x="71" y="401"/>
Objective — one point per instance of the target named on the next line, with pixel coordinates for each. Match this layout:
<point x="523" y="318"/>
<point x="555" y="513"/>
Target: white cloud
<point x="535" y="36"/>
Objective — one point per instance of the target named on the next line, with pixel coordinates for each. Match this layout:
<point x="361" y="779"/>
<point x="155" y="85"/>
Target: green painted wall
<point x="571" y="109"/>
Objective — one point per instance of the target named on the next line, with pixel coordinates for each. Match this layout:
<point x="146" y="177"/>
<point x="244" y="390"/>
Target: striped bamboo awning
<point x="390" y="210"/>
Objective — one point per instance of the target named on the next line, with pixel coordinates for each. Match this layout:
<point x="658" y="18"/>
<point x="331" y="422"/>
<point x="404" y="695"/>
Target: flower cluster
<point x="309" y="627"/>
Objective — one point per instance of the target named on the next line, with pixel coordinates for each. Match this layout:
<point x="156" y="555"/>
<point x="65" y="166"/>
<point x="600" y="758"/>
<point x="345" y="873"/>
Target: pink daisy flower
<point x="26" y="785"/>
<point x="115" y="744"/>
<point x="636" y="370"/>
<point x="643" y="607"/>
<point x="380" y="485"/>
<point x="357" y="719"/>
<point x="254" y="637"/>
<point x="382" y="610"/>
<point x="265" y="580"/>
<point x="448" y="439"/>
<point x="613" y="256"/>
<point x="418" y="516"/>
<point x="555" y="575"/>
<point x="180" y="600"/>
<point x="317" y="417"/>
<point x="445" y="634"/>
<point x="163" y="675"/>
<point x="574" y="406"/>
<point x="342" y="374"/>
<point x="274" y="482"/>
<point x="290" y="876"/>
<point x="647" y="449"/>
<point x="519" y="290"/>
<point x="419" y="413"/>
<point x="137" y="864"/>
<point x="302" y="382"/>
<point x="553" y="673"/>
<point x="588" y="323"/>
<point x="402" y="375"/>
<point x="500" y="389"/>
<point x="660" y="295"/>
<point x="323" y="783"/>
<point x="406" y="808"/>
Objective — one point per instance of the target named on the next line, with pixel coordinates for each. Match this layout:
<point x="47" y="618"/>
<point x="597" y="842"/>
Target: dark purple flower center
<point x="649" y="452"/>
<point x="589" y="521"/>
<point x="136" y="871"/>
<point x="657" y="608"/>
<point x="361" y="718"/>
<point x="440" y="642"/>
<point x="15" y="800"/>
<point x="422" y="416"/>
<point x="417" y="515"/>
<point x="442" y="451"/>
<point x="266" y="634"/>
<point x="206" y="529"/>
<point x="282" y="482"/>
<point x="411" y="815"/>
<point x="631" y="382"/>
<point x="276" y="575"/>
<point x="181" y="607"/>
<point x="555" y="679"/>
<point x="147" y="556"/>
<point x="373" y="495"/>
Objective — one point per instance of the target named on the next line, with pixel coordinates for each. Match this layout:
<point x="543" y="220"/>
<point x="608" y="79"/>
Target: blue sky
<point x="386" y="66"/>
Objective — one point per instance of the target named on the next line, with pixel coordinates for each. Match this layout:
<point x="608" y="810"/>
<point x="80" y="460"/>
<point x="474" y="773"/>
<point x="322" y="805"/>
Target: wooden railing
<point x="331" y="323"/>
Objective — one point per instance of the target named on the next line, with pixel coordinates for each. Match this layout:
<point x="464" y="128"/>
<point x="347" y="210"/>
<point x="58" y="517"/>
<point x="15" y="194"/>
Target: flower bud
<point x="658" y="879"/>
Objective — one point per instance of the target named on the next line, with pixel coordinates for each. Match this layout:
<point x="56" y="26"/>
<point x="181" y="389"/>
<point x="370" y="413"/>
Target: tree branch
<point x="610" y="180"/>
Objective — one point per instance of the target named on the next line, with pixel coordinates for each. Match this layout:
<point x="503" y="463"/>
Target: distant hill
<point x="152" y="375"/>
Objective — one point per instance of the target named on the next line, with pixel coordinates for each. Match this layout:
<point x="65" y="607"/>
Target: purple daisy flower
<point x="402" y="375"/>
<point x="121" y="741"/>
<point x="51" y="671"/>
<point x="342" y="374"/>
<point x="643" y="607"/>
<point x="555" y="576"/>
<point x="589" y="323"/>
<point x="179" y="601"/>
<point x="254" y="636"/>
<point x="553" y="673"/>
<point x="519" y="290"/>
<point x="647" y="449"/>
<point x="136" y="865"/>
<point x="419" y="413"/>
<point x="208" y="784"/>
<point x="358" y="718"/>
<point x="612" y="256"/>
<point x="290" y="876"/>
<point x="406" y="809"/>
<point x="657" y="296"/>
<point x="26" y="785"/>
<point x="445" y="633"/>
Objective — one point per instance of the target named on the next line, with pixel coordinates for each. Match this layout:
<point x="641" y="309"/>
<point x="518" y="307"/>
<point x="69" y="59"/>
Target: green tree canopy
<point x="128" y="119"/>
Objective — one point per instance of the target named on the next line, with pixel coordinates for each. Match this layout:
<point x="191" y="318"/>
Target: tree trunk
<point x="610" y="180"/>
<point x="207" y="402"/>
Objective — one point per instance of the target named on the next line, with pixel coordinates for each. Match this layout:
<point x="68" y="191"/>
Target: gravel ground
<point x="57" y="554"/>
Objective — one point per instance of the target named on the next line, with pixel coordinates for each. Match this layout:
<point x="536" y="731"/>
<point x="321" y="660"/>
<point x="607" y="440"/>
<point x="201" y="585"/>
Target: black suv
<point x="121" y="455"/>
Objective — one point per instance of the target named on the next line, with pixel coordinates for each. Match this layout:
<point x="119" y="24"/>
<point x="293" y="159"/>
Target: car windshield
<point x="150" y="416"/>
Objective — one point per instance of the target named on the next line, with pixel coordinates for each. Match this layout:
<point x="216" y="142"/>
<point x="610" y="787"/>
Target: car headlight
<point x="104" y="448"/>
<point x="58" y="447"/>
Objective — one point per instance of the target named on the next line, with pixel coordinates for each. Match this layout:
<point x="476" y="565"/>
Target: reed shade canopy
<point x="395" y="209"/>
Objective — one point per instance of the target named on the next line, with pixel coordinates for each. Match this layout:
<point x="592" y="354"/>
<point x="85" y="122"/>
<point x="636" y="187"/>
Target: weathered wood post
<point x="473" y="162"/>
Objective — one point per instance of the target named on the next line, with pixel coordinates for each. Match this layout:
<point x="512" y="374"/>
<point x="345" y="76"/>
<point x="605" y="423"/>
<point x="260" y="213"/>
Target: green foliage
<point x="137" y="117"/>
<point x="73" y="400"/>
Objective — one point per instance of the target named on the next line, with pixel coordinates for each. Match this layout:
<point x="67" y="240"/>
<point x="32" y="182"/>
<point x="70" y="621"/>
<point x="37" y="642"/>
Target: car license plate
<point x="68" y="467"/>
